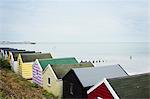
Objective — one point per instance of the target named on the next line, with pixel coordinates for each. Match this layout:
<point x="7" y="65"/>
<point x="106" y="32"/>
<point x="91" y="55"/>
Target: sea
<point x="134" y="57"/>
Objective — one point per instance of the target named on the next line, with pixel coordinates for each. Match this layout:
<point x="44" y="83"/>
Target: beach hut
<point x="78" y="80"/>
<point x="9" y="54"/>
<point x="5" y="52"/>
<point x="2" y="51"/>
<point x="53" y="74"/>
<point x="25" y="62"/>
<point x="40" y="65"/>
<point x="3" y="48"/>
<point x="130" y="87"/>
<point x="13" y="55"/>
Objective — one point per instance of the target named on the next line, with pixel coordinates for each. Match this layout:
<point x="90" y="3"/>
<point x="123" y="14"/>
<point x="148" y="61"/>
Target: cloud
<point x="63" y="20"/>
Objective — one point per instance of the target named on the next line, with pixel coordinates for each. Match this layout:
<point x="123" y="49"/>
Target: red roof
<point x="101" y="92"/>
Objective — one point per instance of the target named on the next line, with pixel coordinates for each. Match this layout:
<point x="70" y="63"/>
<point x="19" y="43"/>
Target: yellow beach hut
<point x="13" y="59"/>
<point x="25" y="62"/>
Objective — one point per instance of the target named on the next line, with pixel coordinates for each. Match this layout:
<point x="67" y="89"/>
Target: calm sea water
<point x="133" y="57"/>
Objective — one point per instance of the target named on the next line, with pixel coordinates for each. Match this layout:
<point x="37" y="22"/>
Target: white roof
<point x="91" y="75"/>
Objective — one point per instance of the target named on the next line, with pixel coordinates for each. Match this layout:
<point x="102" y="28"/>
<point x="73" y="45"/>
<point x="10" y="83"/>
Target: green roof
<point x="45" y="62"/>
<point x="132" y="87"/>
<point x="62" y="70"/>
<point x="31" y="57"/>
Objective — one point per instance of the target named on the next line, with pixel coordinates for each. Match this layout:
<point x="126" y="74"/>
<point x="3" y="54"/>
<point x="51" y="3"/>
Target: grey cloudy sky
<point x="74" y="20"/>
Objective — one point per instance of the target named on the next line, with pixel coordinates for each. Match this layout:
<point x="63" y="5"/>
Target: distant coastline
<point x="10" y="42"/>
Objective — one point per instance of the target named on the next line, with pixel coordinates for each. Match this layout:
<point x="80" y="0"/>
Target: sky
<point x="75" y="20"/>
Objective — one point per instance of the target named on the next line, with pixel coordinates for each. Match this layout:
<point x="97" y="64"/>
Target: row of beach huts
<point x="67" y="78"/>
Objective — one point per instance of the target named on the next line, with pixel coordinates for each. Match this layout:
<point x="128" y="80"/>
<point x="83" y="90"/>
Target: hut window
<point x="49" y="81"/>
<point x="71" y="88"/>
